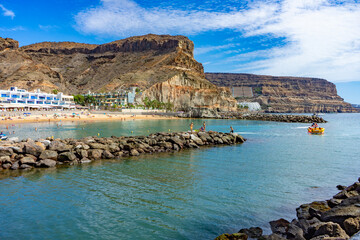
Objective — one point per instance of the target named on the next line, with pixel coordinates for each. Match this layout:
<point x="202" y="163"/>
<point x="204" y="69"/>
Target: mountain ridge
<point x="286" y="94"/>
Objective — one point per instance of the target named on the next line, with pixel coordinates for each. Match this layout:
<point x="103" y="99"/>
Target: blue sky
<point x="309" y="38"/>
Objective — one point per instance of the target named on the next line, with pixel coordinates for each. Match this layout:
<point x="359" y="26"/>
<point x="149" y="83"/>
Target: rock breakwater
<point x="336" y="218"/>
<point x="282" y="118"/>
<point x="209" y="113"/>
<point x="45" y="153"/>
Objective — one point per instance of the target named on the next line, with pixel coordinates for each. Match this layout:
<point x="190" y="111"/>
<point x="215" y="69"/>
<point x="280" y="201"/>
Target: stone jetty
<point x="208" y="113"/>
<point x="336" y="218"/>
<point x="45" y="153"/>
<point x="282" y="118"/>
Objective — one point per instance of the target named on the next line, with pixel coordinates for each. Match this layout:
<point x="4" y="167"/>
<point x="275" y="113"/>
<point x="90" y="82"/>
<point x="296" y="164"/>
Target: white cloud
<point x="204" y="50"/>
<point x="323" y="41"/>
<point x="125" y="17"/>
<point x="48" y="27"/>
<point x="322" y="36"/>
<point x="12" y="29"/>
<point x="7" y="12"/>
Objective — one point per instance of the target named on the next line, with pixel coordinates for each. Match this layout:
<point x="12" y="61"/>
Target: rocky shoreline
<point x="45" y="153"/>
<point x="336" y="218"/>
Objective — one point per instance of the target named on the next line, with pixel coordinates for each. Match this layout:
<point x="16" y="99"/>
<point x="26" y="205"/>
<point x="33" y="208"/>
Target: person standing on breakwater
<point x="231" y="129"/>
<point x="191" y="126"/>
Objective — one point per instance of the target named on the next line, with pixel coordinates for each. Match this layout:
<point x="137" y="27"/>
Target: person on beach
<point x="231" y="129"/>
<point x="191" y="126"/>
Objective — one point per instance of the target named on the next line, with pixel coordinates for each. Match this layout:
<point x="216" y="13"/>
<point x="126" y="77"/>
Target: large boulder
<point x="253" y="232"/>
<point x="196" y="140"/>
<point x="352" y="225"/>
<point x="27" y="160"/>
<point x="177" y="140"/>
<point x="95" y="154"/>
<point x="48" y="154"/>
<point x="46" y="163"/>
<point x="98" y="146"/>
<point x="113" y="147"/>
<point x="15" y="165"/>
<point x="134" y="152"/>
<point x="33" y="149"/>
<point x="205" y="137"/>
<point x="166" y="145"/>
<point x="340" y="213"/>
<point x="66" y="157"/>
<point x="5" y="159"/>
<point x="6" y="151"/>
<point x="107" y="154"/>
<point x="280" y="226"/>
<point x="59" y="146"/>
<point x="329" y="229"/>
<point x="294" y="231"/>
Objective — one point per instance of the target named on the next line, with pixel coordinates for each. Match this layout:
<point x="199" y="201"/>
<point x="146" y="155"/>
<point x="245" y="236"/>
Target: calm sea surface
<point x="193" y="194"/>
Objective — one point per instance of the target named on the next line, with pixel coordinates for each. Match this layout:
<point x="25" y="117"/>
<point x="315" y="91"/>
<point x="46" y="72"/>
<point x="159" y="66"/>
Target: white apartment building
<point x="22" y="99"/>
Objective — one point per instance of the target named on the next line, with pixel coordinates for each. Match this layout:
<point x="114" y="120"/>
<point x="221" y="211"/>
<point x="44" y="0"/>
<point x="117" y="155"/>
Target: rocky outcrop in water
<point x="286" y="94"/>
<point x="336" y="218"/>
<point x="28" y="154"/>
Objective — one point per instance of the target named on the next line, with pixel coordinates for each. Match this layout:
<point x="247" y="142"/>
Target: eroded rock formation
<point x="286" y="94"/>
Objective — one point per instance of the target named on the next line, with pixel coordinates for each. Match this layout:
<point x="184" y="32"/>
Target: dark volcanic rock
<point x="280" y="226"/>
<point x="253" y="232"/>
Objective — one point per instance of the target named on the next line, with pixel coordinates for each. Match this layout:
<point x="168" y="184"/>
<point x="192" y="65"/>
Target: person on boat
<point x="231" y="129"/>
<point x="314" y="125"/>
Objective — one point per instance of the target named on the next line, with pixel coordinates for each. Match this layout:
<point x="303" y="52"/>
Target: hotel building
<point x="15" y="98"/>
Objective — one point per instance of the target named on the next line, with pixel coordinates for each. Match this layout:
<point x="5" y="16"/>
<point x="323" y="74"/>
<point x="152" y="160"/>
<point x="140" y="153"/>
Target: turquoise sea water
<point x="193" y="194"/>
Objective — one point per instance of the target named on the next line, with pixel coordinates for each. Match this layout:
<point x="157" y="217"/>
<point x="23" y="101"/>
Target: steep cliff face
<point x="152" y="62"/>
<point x="187" y="92"/>
<point x="286" y="94"/>
<point x="18" y="69"/>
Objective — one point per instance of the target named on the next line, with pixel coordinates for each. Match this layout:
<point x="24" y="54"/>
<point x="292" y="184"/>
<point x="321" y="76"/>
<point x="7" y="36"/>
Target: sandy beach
<point x="85" y="116"/>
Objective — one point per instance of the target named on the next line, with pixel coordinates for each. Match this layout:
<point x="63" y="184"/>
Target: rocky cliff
<point x="19" y="69"/>
<point x="151" y="62"/>
<point x="286" y="94"/>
